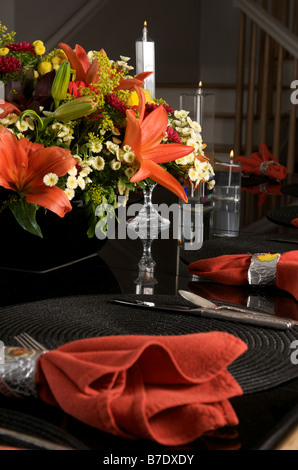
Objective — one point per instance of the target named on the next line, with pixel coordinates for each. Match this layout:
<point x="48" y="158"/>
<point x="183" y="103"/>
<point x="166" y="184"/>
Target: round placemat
<point x="283" y="216"/>
<point x="245" y="244"/>
<point x="266" y="363"/>
<point x="290" y="190"/>
<point x="24" y="431"/>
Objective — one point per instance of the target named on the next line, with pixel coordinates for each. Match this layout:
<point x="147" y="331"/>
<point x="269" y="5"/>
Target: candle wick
<point x="145" y="32"/>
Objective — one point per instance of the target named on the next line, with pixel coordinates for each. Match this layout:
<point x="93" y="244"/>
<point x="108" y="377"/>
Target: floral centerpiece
<point x="79" y="126"/>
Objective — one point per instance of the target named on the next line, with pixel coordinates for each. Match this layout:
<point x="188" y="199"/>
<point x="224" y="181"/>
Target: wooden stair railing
<point x="260" y="84"/>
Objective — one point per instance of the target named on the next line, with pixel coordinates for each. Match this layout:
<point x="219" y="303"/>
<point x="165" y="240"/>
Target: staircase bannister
<point x="276" y="30"/>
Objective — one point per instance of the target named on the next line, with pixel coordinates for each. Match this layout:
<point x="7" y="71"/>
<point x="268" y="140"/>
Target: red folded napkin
<point x="233" y="270"/>
<point x="170" y="389"/>
<point x="262" y="163"/>
<point x="294" y="222"/>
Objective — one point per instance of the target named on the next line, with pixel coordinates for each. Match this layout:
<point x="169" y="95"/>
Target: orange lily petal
<point x="155" y="172"/>
<point x="74" y="61"/>
<point x="82" y="57"/>
<point x="141" y="105"/>
<point x="167" y="152"/>
<point x="130" y="83"/>
<point x="92" y="73"/>
<point x="13" y="160"/>
<point x="8" y="108"/>
<point x="24" y="164"/>
<point x="48" y="160"/>
<point x="52" y="198"/>
<point x="154" y="128"/>
<point x="133" y="132"/>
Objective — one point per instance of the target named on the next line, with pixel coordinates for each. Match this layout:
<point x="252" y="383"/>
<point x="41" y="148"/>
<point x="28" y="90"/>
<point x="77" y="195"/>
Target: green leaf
<point x="25" y="215"/>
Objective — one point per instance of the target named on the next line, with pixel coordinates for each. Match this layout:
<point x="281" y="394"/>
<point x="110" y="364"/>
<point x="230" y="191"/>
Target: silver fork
<point x="30" y="343"/>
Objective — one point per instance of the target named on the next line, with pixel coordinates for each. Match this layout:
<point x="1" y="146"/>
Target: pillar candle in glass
<point x="199" y="105"/>
<point x="227" y="180"/>
<point x="145" y="59"/>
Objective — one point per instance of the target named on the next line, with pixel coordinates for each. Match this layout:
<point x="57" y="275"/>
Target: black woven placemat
<point x="266" y="363"/>
<point x="244" y="244"/>
<point x="283" y="216"/>
<point x="290" y="190"/>
<point x="24" y="431"/>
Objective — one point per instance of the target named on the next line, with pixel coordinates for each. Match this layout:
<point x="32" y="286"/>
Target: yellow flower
<point x="4" y="51"/>
<point x="133" y="100"/>
<point x="45" y="67"/>
<point x="37" y="43"/>
<point x="39" y="50"/>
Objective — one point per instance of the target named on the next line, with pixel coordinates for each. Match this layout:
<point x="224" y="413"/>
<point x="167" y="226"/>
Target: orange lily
<point x="23" y="165"/>
<point x="144" y="137"/>
<point x="79" y="61"/>
<point x="130" y="83"/>
<point x="8" y="108"/>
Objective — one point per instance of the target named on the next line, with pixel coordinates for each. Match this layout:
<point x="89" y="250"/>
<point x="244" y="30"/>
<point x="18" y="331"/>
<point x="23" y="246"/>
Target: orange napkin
<point x="233" y="270"/>
<point x="263" y="163"/>
<point x="169" y="389"/>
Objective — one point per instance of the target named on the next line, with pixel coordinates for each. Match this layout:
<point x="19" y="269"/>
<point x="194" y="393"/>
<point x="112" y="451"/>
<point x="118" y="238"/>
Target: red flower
<point x="152" y="106"/>
<point x="116" y="103"/>
<point x="75" y="88"/>
<point x="21" y="47"/>
<point x="173" y="135"/>
<point x="23" y="165"/>
<point x="9" y="64"/>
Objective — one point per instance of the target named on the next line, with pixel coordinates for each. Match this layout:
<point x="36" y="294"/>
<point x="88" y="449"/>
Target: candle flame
<point x="200" y="84"/>
<point x="232" y="155"/>
<point x="145" y="24"/>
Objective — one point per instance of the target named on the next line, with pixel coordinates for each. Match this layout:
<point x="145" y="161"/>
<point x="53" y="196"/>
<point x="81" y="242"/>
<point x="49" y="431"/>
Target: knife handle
<point x="250" y="318"/>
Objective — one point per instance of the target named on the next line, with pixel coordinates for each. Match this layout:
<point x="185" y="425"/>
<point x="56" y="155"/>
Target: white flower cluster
<point x="19" y="128"/>
<point x="80" y="175"/>
<point x="64" y="132"/>
<point x="189" y="132"/>
<point x="122" y="63"/>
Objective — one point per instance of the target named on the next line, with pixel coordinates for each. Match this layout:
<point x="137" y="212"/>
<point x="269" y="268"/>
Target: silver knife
<point x="221" y="314"/>
<point x="202" y="302"/>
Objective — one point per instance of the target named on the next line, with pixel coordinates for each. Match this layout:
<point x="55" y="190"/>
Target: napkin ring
<point x="17" y="372"/>
<point x="264" y="166"/>
<point x="262" y="270"/>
